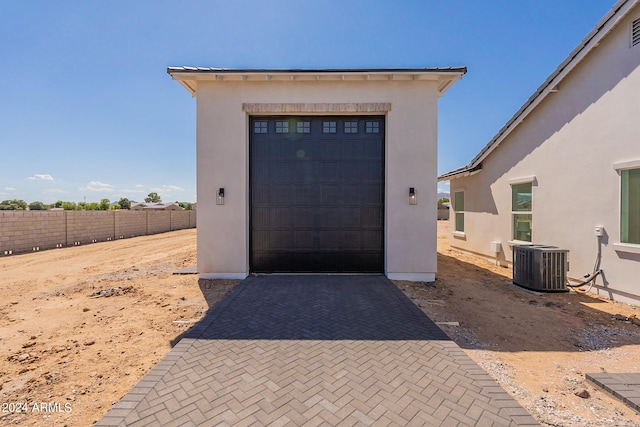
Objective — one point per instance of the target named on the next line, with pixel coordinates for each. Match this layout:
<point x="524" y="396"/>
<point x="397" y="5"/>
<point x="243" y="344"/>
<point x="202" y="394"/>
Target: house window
<point x="458" y="207"/>
<point x="260" y="127"/>
<point x="351" y="127"/>
<point x="635" y="32"/>
<point x="328" y="127"/>
<point x="282" y="126"/>
<point x="303" y="127"/>
<point x="521" y="206"/>
<point x="630" y="206"/>
<point x="372" y="127"/>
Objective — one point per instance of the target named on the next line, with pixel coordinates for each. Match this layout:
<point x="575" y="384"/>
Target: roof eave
<point x="188" y="77"/>
<point x="550" y="85"/>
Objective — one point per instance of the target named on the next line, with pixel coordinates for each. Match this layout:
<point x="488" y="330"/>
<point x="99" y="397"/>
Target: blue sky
<point x="87" y="109"/>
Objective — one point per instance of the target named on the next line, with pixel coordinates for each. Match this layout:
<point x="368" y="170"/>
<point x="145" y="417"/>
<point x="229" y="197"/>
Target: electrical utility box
<point x="540" y="268"/>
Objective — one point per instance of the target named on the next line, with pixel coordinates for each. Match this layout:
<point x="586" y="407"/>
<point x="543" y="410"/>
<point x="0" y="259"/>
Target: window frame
<point x="619" y="245"/>
<point x="454" y="205"/>
<point x="531" y="180"/>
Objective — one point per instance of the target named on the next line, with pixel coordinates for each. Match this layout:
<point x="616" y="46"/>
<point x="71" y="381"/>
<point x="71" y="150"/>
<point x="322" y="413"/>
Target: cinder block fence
<point x="28" y="231"/>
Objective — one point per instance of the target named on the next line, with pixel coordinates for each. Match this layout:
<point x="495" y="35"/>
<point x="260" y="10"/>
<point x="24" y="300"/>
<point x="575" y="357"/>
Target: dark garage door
<point x="317" y="196"/>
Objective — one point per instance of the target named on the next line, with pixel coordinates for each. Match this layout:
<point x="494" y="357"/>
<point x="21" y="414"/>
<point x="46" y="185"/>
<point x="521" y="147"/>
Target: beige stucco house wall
<point x="570" y="140"/>
<point x="226" y="99"/>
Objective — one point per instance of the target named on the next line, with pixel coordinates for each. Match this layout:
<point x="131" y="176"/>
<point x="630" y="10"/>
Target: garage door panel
<point x="316" y="195"/>
<point x="370" y="195"/>
<point x="307" y="195"/>
<point x="330" y="172"/>
<point x="371" y="240"/>
<point x="281" y="195"/>
<point x="260" y="195"/>
<point x="351" y="240"/>
<point x="351" y="150"/>
<point x="329" y="218"/>
<point x="260" y="240"/>
<point x="307" y="172"/>
<point x="305" y="240"/>
<point x="281" y="218"/>
<point x="330" y="149"/>
<point x="350" y="172"/>
<point x="305" y="218"/>
<point x="281" y="149"/>
<point x="350" y="218"/>
<point x="330" y="240"/>
<point x="279" y="172"/>
<point x="371" y="172"/>
<point x="371" y="218"/>
<point x="372" y="149"/>
<point x="281" y="240"/>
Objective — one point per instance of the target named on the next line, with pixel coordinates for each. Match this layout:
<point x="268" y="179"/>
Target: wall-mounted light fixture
<point x="413" y="197"/>
<point x="220" y="196"/>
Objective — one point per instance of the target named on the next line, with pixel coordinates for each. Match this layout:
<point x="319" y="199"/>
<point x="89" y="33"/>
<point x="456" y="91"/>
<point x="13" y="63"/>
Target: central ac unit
<point x="540" y="268"/>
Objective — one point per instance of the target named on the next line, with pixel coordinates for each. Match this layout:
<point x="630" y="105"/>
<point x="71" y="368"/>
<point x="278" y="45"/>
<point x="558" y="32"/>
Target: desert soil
<point x="79" y="354"/>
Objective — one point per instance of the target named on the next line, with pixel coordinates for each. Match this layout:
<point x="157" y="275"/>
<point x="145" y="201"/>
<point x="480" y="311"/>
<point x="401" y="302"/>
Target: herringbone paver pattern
<point x="317" y="350"/>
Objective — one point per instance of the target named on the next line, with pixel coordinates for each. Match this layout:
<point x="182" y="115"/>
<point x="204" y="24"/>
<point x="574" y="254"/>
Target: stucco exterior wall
<point x="570" y="144"/>
<point x="410" y="155"/>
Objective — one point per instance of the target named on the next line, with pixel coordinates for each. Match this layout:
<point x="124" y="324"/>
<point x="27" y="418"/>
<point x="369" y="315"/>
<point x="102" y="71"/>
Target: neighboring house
<point x="311" y="170"/>
<point x="567" y="164"/>
<point x="156" y="207"/>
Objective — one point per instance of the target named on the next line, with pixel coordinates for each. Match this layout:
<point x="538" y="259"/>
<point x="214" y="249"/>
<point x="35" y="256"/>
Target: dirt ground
<point x="78" y="354"/>
<point x="538" y="347"/>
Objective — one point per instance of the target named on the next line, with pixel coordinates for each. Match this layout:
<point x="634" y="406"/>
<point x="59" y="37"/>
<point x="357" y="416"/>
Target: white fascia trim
<point x="630" y="164"/>
<point x="522" y="180"/>
<point x="240" y="276"/>
<point x="412" y="277"/>
<point x="519" y="243"/>
<point x="460" y="235"/>
<point x="626" y="247"/>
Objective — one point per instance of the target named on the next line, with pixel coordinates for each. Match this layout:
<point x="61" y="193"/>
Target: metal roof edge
<point x="460" y="172"/>
<point x="185" y="69"/>
<point x="588" y="43"/>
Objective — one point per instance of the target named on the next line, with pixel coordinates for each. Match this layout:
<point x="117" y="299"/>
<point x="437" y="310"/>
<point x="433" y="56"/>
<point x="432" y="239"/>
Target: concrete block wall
<point x="130" y="224"/>
<point x="158" y="221"/>
<point x="27" y="231"/>
<point x="90" y="226"/>
<point x="180" y="219"/>
<point x="22" y="231"/>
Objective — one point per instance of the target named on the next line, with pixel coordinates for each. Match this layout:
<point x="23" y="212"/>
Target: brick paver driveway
<point x="317" y="350"/>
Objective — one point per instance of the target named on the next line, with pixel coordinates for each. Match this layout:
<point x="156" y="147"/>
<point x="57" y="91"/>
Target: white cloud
<point x="98" y="187"/>
<point x="168" y="189"/>
<point x="139" y="186"/>
<point x="53" y="190"/>
<point x="132" y="191"/>
<point x="9" y="189"/>
<point x="443" y="187"/>
<point x="41" y="177"/>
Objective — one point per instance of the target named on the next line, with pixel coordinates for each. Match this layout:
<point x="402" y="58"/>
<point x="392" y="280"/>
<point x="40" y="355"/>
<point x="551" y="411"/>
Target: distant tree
<point x="153" y="197"/>
<point x="104" y="204"/>
<point x="188" y="207"/>
<point x="69" y="206"/>
<point x="37" y="206"/>
<point x="441" y="203"/>
<point x="93" y="206"/>
<point x="13" y="205"/>
<point x="124" y="203"/>
<point x="58" y="204"/>
<point x="181" y="204"/>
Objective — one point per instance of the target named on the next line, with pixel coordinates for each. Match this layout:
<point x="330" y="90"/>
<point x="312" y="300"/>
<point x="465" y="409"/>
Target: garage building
<point x="317" y="171"/>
